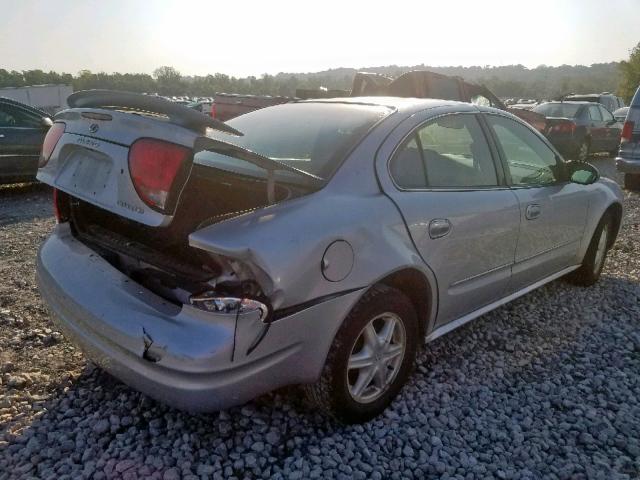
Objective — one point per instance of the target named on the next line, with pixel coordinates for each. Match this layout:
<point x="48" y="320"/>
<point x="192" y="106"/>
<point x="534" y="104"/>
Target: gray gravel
<point x="546" y="387"/>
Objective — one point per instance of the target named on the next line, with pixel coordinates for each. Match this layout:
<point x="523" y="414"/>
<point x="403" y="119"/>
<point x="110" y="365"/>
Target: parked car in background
<point x="202" y="106"/>
<point x="317" y="243"/>
<point x="620" y="114"/>
<point x="22" y="131"/>
<point x="628" y="159"/>
<point x="579" y="129"/>
<point x="610" y="101"/>
<point x="48" y="98"/>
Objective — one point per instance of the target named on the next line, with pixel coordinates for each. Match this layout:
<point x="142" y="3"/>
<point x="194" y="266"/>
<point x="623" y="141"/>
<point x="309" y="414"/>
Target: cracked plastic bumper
<point x="182" y="356"/>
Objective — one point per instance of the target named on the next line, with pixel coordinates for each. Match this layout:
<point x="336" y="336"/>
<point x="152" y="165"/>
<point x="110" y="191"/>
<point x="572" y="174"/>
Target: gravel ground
<point x="545" y="387"/>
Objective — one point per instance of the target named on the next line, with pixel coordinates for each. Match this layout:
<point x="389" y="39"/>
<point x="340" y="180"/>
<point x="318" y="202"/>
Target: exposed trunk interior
<point x="160" y="258"/>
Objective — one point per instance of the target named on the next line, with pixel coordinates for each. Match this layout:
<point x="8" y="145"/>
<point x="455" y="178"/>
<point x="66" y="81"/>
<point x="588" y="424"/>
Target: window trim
<point x="502" y="183"/>
<point x="560" y="162"/>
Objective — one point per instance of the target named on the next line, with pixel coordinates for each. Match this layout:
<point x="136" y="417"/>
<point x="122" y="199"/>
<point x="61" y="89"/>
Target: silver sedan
<point x="319" y="243"/>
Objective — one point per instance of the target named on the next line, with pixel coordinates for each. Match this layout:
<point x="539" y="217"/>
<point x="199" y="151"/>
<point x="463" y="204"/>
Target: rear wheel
<point x="370" y="359"/>
<point x="594" y="260"/>
<point x="632" y="181"/>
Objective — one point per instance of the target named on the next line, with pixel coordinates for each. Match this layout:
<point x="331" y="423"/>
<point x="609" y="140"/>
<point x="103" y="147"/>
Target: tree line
<point x="542" y="82"/>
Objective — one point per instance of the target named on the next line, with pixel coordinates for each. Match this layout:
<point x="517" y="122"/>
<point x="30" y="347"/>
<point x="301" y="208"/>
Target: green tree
<point x="169" y="81"/>
<point x="630" y="71"/>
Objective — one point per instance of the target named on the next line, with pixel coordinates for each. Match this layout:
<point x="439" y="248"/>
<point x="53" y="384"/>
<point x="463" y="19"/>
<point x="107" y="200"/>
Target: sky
<point x="243" y="38"/>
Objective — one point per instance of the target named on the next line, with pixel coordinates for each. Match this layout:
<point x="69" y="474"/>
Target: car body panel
<point x="628" y="159"/>
<point x="20" y="144"/>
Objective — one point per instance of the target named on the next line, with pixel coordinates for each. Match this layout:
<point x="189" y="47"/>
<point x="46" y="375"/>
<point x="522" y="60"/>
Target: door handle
<point x="439" y="227"/>
<point x="533" y="211"/>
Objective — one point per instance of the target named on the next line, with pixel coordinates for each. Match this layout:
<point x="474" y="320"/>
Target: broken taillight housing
<point x="154" y="166"/>
<point x="212" y="302"/>
<point x="60" y="206"/>
<point x="50" y="141"/>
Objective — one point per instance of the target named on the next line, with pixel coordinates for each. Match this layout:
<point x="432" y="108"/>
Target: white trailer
<point x="50" y="98"/>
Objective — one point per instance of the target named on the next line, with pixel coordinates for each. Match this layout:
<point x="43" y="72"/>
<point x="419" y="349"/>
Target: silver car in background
<point x="317" y="243"/>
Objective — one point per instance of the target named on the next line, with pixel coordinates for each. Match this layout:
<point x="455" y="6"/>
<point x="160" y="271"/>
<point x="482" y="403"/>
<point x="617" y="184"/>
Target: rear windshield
<point x="564" y="110"/>
<point x="313" y="137"/>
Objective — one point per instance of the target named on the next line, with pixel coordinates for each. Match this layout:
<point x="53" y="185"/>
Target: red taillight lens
<point x="50" y="141"/>
<point x="60" y="206"/>
<point x="627" y="131"/>
<point x="213" y="110"/>
<point x="154" y="166"/>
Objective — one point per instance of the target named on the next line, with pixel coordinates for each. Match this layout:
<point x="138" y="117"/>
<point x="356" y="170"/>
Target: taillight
<point x="627" y="131"/>
<point x="154" y="166"/>
<point x="213" y="110"/>
<point x="50" y="141"/>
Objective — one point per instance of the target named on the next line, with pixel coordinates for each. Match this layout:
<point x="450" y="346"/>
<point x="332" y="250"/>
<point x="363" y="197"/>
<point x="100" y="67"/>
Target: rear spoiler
<point x="177" y="114"/>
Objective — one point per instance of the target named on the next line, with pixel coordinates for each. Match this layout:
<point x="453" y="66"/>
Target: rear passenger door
<point x="597" y="128"/>
<point x="461" y="216"/>
<point x="553" y="210"/>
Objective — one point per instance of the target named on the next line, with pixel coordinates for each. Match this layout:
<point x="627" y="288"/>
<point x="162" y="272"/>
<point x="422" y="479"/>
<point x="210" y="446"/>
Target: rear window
<point x="564" y="110"/>
<point x="313" y="137"/>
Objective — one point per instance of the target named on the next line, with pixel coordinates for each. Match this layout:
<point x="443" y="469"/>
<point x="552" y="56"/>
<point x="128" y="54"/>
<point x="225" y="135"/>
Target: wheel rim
<point x="584" y="152"/>
<point x="376" y="357"/>
<point x="601" y="250"/>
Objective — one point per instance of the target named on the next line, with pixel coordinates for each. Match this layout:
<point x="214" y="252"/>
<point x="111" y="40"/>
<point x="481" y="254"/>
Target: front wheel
<point x="370" y="359"/>
<point x="593" y="263"/>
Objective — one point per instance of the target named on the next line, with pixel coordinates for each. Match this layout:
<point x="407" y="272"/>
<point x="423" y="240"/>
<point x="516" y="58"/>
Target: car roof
<point x="569" y="102"/>
<point x="398" y="103"/>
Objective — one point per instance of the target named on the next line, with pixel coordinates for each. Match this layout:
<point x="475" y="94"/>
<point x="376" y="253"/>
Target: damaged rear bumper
<point x="188" y="358"/>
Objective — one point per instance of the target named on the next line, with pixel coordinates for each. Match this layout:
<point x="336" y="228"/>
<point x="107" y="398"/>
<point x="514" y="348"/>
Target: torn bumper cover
<point x="180" y="355"/>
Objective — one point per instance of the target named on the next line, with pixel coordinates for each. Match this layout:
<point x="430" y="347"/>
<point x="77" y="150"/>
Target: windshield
<point x="564" y="110"/>
<point x="313" y="137"/>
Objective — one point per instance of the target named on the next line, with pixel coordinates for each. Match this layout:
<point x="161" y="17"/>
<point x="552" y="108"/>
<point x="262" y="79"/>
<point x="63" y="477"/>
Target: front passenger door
<point x="21" y="137"/>
<point x="553" y="210"/>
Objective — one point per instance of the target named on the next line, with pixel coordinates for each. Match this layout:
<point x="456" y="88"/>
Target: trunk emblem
<point x="93" y="128"/>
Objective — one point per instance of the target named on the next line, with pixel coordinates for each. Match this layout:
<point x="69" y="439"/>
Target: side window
<point x="450" y="151"/>
<point x="594" y="113"/>
<point x="11" y="116"/>
<point x="606" y="115"/>
<point x="529" y="159"/>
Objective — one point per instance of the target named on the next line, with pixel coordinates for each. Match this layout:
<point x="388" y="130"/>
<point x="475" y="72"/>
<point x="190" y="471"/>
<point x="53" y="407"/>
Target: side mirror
<point x="582" y="173"/>
<point x="46" y="123"/>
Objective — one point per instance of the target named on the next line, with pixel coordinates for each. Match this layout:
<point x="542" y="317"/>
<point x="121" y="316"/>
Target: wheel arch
<point x="422" y="294"/>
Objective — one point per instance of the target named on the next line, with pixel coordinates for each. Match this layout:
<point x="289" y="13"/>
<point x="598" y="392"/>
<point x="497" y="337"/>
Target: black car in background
<point x="22" y="131"/>
<point x="578" y="129"/>
<point x="610" y="101"/>
<point x="628" y="159"/>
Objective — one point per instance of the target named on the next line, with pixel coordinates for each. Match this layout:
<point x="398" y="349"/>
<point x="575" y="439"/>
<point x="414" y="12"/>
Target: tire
<point x="594" y="260"/>
<point x="582" y="152"/>
<point x="335" y="392"/>
<point x="632" y="181"/>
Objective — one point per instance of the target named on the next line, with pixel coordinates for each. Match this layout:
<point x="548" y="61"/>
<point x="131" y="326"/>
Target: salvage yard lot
<point x="545" y="387"/>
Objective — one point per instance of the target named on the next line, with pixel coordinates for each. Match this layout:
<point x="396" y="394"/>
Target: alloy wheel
<point x="601" y="249"/>
<point x="376" y="357"/>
